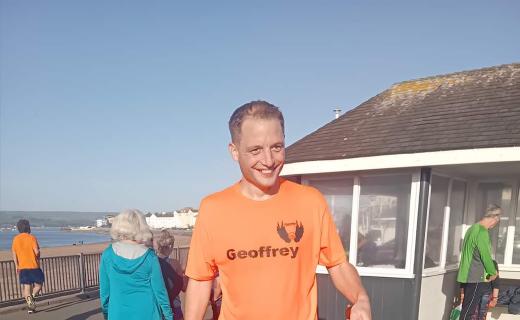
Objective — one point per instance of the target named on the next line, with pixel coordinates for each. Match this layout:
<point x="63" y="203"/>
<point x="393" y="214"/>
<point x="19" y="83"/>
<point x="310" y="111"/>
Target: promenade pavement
<point x="73" y="308"/>
<point x="77" y="307"/>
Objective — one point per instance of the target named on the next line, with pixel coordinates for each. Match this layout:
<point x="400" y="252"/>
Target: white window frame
<point x="407" y="272"/>
<point x="511" y="228"/>
<point x="321" y="177"/>
<point x="443" y="267"/>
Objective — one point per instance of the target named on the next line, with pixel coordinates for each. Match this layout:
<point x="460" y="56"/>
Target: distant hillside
<point x="51" y="219"/>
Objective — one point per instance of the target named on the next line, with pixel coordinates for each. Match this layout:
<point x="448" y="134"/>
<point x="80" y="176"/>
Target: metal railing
<point x="63" y="274"/>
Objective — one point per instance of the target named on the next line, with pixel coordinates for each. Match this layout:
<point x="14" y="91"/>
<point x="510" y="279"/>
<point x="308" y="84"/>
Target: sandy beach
<point x="181" y="239"/>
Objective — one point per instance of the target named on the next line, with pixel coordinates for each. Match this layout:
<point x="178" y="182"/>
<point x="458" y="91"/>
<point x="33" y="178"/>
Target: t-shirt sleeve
<point x="332" y="252"/>
<point x="34" y="243"/>
<point x="484" y="247"/>
<point x="14" y="245"/>
<point x="201" y="263"/>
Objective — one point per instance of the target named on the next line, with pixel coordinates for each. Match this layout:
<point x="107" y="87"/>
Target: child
<point x="173" y="275"/>
<point x="26" y="256"/>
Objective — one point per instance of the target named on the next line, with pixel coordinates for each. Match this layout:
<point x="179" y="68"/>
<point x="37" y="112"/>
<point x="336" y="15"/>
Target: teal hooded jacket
<point x="132" y="288"/>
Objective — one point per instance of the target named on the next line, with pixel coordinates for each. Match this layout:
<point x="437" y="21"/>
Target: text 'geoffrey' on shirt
<point x="262" y="252"/>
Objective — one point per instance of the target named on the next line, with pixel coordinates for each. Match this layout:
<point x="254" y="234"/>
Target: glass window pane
<point x="500" y="194"/>
<point x="384" y="207"/>
<point x="438" y="201"/>
<point x="338" y="193"/>
<point x="457" y="202"/>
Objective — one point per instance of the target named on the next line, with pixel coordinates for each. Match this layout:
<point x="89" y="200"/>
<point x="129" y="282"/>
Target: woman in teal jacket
<point x="131" y="285"/>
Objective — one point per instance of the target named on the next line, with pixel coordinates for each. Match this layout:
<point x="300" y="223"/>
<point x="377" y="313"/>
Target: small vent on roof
<point x="337" y="113"/>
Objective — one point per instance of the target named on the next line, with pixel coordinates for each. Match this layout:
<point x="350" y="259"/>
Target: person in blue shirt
<point x="131" y="284"/>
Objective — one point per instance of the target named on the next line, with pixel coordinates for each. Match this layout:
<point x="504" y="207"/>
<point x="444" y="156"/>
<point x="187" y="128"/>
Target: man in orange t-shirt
<point x="26" y="256"/>
<point x="265" y="236"/>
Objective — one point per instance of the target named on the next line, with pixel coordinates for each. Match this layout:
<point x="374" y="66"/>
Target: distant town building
<point x="182" y="219"/>
<point x="106" y="221"/>
<point x="101" y="222"/>
<point x="109" y="218"/>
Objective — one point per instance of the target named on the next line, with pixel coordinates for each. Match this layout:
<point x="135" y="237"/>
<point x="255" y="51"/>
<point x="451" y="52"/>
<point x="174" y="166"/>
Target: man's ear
<point x="233" y="150"/>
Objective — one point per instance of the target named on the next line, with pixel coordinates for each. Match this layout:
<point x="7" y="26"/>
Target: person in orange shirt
<point x="264" y="236"/>
<point x="26" y="256"/>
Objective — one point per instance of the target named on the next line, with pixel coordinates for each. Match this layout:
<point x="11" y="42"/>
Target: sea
<point x="54" y="237"/>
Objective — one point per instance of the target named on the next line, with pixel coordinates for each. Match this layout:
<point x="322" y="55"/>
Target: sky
<point x="107" y="105"/>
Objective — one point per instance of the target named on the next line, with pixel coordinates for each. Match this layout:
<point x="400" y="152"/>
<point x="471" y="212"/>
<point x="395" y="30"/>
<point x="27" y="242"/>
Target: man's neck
<point x="253" y="192"/>
<point x="484" y="224"/>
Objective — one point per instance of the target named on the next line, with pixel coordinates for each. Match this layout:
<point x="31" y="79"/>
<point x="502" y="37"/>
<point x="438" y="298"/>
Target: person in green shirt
<point x="476" y="264"/>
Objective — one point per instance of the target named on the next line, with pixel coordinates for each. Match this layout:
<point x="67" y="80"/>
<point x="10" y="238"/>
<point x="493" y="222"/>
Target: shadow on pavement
<point x="65" y="304"/>
<point x="85" y="315"/>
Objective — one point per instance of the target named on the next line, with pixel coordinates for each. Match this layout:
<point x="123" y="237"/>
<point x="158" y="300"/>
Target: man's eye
<point x="255" y="151"/>
<point x="277" y="148"/>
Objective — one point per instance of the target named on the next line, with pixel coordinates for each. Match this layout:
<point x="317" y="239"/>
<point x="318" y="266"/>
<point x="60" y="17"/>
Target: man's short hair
<point x="131" y="225"/>
<point x="255" y="109"/>
<point x="23" y="226"/>
<point x="492" y="211"/>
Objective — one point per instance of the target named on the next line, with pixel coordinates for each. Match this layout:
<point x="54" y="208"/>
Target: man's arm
<point x="36" y="250"/>
<point x="197" y="298"/>
<point x="347" y="281"/>
<point x="484" y="246"/>
<point x="15" y="259"/>
<point x="493" y="298"/>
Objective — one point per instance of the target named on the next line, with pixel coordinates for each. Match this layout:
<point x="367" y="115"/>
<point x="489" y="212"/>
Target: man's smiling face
<point x="260" y="152"/>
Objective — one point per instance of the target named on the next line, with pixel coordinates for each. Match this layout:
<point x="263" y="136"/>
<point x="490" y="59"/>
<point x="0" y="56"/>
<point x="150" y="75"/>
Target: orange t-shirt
<point x="23" y="246"/>
<point x="265" y="252"/>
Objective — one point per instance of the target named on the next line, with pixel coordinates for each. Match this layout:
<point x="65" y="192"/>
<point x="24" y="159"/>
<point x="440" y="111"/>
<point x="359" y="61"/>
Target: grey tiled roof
<point x="463" y="110"/>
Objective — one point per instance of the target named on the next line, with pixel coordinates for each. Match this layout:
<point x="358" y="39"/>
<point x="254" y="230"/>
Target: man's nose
<point x="267" y="159"/>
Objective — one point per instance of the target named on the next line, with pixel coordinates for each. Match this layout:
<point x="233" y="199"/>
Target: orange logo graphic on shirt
<point x="292" y="231"/>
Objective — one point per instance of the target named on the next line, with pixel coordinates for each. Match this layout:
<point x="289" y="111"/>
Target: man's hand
<point x="493" y="302"/>
<point x="346" y="279"/>
<point x="361" y="310"/>
<point x="492" y="278"/>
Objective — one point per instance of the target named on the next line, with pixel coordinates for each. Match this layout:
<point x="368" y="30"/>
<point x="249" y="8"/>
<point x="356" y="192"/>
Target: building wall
<point x="437" y="293"/>
<point x="180" y="220"/>
<point x="389" y="298"/>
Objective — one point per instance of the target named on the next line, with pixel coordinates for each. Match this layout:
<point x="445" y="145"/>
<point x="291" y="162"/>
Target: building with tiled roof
<point x="406" y="173"/>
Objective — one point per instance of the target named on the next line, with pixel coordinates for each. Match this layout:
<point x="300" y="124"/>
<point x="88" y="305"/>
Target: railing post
<point x="82" y="272"/>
